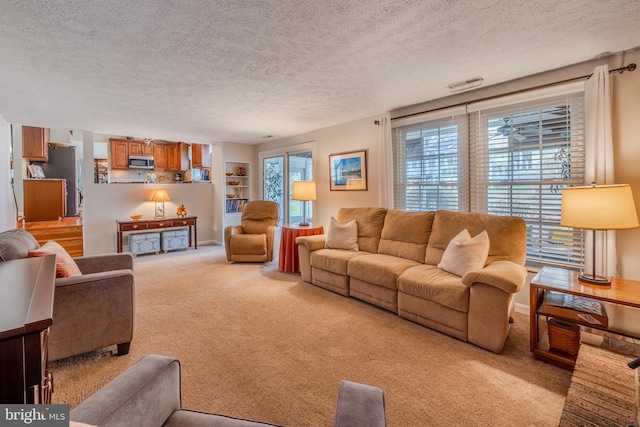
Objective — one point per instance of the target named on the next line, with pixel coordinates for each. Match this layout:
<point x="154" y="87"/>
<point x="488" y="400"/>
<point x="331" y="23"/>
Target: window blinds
<point x="522" y="156"/>
<point x="431" y="165"/>
<point x="506" y="156"/>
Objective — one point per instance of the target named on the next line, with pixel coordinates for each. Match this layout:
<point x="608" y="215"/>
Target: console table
<point x="131" y="226"/>
<point x="26" y="312"/>
<point x="288" y="260"/>
<point x="621" y="292"/>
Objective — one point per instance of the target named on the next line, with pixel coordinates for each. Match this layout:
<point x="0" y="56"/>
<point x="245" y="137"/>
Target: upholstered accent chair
<point x="252" y="240"/>
<point x="92" y="310"/>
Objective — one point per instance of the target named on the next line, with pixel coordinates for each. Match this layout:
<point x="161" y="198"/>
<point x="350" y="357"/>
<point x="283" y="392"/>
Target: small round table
<point x="288" y="260"/>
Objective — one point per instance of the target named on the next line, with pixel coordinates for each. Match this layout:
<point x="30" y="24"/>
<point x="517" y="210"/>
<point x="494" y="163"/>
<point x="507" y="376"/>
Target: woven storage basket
<point x="564" y="336"/>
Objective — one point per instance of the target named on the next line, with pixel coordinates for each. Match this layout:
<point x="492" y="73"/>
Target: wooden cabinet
<point x="171" y="156"/>
<point x="119" y="154"/>
<point x="160" y="157"/>
<point x="35" y="143"/>
<point x="140" y="149"/>
<point x="27" y="313"/>
<point x="44" y="199"/>
<point x="201" y="156"/>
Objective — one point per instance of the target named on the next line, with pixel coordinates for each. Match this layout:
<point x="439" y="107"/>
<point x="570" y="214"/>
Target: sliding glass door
<point x="279" y="170"/>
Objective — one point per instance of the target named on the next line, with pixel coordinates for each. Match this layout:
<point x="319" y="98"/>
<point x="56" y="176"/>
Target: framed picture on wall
<point x="348" y="171"/>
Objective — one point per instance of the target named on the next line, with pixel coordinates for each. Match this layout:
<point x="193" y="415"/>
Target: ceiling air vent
<point x="465" y="84"/>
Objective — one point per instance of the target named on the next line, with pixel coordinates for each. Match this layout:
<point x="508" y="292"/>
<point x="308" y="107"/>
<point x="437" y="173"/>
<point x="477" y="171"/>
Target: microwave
<point x="140" y="162"/>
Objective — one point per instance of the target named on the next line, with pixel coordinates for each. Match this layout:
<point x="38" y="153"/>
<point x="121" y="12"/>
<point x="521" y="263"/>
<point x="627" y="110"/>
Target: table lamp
<point x="598" y="207"/>
<point x="304" y="191"/>
<point x="160" y="196"/>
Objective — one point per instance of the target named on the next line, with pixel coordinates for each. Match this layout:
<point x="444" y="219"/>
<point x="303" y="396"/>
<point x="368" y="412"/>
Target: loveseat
<point x="396" y="267"/>
<point x="93" y="310"/>
<point x="148" y="394"/>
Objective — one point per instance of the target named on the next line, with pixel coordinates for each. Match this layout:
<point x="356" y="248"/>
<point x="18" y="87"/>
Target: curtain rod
<point x="620" y="70"/>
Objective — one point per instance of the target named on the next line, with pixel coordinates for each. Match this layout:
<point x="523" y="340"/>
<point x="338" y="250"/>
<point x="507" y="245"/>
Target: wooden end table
<point x="621" y="292"/>
<point x="288" y="260"/>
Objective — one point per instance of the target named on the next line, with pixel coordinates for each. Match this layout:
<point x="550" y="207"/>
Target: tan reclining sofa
<point x="395" y="267"/>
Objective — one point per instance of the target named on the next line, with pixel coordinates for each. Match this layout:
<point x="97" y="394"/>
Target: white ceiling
<point x="236" y="70"/>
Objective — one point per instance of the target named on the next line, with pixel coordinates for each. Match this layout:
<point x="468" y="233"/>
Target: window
<point x="431" y="165"/>
<point x="520" y="156"/>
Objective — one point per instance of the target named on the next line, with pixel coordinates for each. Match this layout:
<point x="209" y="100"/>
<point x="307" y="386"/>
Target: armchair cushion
<point x="65" y="265"/>
<point x="16" y="244"/>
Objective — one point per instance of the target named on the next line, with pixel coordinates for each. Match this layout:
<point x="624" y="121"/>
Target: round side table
<point x="288" y="260"/>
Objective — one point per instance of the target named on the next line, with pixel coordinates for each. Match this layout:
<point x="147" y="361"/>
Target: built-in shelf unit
<point x="237" y="186"/>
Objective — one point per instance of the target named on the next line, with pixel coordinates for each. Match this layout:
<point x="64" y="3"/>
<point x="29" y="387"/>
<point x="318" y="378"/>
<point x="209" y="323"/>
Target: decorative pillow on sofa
<point x="16" y="244"/>
<point x="342" y="236"/>
<point x="464" y="254"/>
<point x="65" y="265"/>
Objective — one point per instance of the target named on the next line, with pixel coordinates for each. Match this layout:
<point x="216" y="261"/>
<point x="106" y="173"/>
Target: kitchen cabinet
<point x="35" y="143"/>
<point x="160" y="159"/>
<point x="140" y="149"/>
<point x="44" y="199"/>
<point x="119" y="154"/>
<point x="177" y="156"/>
<point x="201" y="156"/>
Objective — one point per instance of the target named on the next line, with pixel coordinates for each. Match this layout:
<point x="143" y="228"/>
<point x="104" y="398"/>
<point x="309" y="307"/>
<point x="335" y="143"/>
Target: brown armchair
<point x="252" y="240"/>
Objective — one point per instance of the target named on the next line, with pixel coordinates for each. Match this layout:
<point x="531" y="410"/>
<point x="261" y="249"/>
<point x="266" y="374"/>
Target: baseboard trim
<point x="522" y="308"/>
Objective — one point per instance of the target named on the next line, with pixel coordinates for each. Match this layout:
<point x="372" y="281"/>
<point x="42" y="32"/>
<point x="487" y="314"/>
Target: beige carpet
<point x="261" y="344"/>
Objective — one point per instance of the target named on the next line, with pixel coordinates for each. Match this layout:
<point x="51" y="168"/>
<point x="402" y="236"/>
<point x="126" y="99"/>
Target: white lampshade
<point x="603" y="207"/>
<point x="304" y="190"/>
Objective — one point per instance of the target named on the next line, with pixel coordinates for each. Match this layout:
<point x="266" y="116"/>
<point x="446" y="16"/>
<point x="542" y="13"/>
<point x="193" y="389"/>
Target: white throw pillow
<point x="342" y="236"/>
<point x="464" y="254"/>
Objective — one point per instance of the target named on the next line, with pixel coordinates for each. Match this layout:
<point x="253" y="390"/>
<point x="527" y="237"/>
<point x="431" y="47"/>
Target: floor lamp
<point x="598" y="207"/>
<point x="304" y="191"/>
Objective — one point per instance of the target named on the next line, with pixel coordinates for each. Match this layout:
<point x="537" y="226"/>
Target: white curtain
<point x="385" y="163"/>
<point x="599" y="164"/>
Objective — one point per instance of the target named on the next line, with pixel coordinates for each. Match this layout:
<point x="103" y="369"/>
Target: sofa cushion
<point x="334" y="260"/>
<point x="465" y="253"/>
<point x="16" y="244"/>
<point x="507" y="235"/>
<point x="379" y="269"/>
<point x="431" y="283"/>
<point x="405" y="234"/>
<point x="369" y="222"/>
<point x="342" y="236"/>
<point x="65" y="265"/>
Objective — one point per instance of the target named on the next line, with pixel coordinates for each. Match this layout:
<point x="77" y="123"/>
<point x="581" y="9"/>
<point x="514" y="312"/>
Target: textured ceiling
<point x="208" y="71"/>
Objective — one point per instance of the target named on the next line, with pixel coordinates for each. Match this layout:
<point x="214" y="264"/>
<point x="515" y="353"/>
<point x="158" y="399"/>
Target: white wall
<point x="8" y="214"/>
<point x="357" y="135"/>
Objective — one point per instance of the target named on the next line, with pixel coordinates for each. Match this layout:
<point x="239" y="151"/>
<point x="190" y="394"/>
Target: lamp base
<point x="594" y="280"/>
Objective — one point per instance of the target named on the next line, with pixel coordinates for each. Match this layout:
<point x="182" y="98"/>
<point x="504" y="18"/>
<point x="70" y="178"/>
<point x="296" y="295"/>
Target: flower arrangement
<point x="182" y="211"/>
<point x="241" y="171"/>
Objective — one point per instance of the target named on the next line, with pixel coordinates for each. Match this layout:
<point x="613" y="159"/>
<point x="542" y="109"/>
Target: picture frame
<point x="348" y="171"/>
<point x="35" y="171"/>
